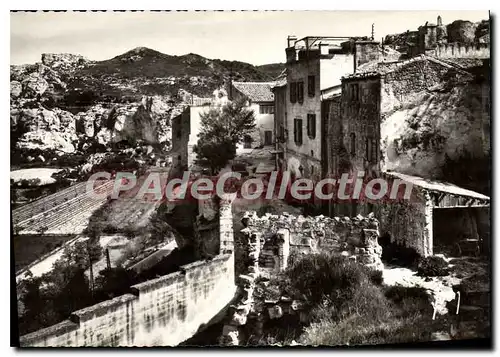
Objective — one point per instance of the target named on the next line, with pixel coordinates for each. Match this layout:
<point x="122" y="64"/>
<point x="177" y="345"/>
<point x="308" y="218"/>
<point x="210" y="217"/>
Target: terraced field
<point x="64" y="212"/>
<point x="131" y="210"/>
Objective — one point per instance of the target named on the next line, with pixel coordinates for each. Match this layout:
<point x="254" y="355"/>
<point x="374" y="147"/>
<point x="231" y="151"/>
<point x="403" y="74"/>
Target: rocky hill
<point x="68" y="105"/>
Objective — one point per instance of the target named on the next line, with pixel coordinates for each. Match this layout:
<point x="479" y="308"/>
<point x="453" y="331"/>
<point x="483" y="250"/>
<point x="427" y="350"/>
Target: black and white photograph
<point x="243" y="179"/>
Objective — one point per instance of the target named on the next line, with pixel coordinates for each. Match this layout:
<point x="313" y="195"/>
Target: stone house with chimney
<point x="314" y="67"/>
<point x="362" y="130"/>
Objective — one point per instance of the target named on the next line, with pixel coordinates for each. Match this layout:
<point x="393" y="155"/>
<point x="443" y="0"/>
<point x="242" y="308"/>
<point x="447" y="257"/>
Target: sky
<point x="256" y="37"/>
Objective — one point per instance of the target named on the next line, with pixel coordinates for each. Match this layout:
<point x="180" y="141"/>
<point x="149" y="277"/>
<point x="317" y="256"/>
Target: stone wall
<point x="272" y="238"/>
<point x="455" y="50"/>
<point x="416" y="75"/>
<point x="160" y="312"/>
<point x="407" y="222"/>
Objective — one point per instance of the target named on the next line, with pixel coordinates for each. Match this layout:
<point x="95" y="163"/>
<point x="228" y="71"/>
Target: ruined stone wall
<point x="456" y="50"/>
<point x="160" y="312"/>
<point x="367" y="51"/>
<point x="273" y="238"/>
<point x="432" y="126"/>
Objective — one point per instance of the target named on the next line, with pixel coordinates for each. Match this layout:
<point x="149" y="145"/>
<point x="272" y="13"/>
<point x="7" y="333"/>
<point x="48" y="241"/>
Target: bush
<point x="432" y="266"/>
<point x="377" y="277"/>
<point x="319" y="276"/>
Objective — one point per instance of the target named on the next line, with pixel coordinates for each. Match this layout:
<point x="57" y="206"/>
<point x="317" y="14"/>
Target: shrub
<point x="377" y="277"/>
<point x="316" y="276"/>
<point x="432" y="266"/>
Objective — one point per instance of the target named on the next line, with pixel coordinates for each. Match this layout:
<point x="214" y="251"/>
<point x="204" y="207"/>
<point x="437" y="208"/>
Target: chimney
<point x="323" y="48"/>
<point x="291" y="40"/>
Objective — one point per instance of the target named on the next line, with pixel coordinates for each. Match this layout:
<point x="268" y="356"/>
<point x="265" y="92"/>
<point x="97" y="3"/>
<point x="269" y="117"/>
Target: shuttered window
<point x="297" y="131"/>
<point x="293" y="92"/>
<point x="300" y="92"/>
<point x="371" y="149"/>
<point x="311" y="86"/>
<point x="311" y="125"/>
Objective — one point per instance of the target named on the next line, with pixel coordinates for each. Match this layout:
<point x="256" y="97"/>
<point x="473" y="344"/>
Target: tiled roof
<point x="372" y="69"/>
<point x="256" y="91"/>
<point x="281" y="82"/>
<point x="464" y="62"/>
<point x="437" y="185"/>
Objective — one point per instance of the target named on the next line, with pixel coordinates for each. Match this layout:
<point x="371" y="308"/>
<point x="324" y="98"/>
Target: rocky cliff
<point x="67" y="104"/>
<point x="443" y="133"/>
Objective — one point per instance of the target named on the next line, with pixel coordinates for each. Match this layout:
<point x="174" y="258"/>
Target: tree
<point x="221" y="130"/>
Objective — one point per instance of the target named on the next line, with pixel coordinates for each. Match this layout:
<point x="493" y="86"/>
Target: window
<point x="300" y="92"/>
<point x="354" y="91"/>
<point x="368" y="148"/>
<point x="297" y="131"/>
<point x="353" y="144"/>
<point x="311" y="86"/>
<point x="371" y="149"/>
<point x="311" y="125"/>
<point x="266" y="109"/>
<point x="293" y="92"/>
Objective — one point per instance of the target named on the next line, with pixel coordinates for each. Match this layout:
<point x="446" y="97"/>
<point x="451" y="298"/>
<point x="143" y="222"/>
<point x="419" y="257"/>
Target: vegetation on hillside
<point x="347" y="305"/>
<point x="156" y="73"/>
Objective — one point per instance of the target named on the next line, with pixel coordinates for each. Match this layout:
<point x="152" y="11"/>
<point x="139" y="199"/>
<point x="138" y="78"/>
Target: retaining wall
<point x="160" y="312"/>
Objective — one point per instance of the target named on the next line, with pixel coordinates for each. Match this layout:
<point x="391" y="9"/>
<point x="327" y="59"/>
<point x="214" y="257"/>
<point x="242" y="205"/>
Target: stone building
<point x="314" y="68"/>
<point x="185" y="129"/>
<point x="259" y="98"/>
<point x="186" y="125"/>
<point x="367" y="125"/>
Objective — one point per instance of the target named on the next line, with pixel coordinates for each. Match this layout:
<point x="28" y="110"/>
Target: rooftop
<point x="256" y="91"/>
<point x="439" y="186"/>
<point x="374" y="69"/>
